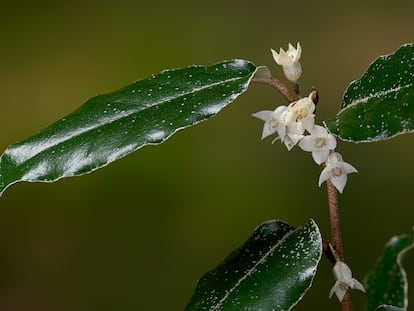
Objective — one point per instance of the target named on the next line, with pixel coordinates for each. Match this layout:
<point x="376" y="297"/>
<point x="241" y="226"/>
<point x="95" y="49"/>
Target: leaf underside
<point x="108" y="127"/>
<point x="271" y="271"/>
<point x="380" y="105"/>
<point x="386" y="284"/>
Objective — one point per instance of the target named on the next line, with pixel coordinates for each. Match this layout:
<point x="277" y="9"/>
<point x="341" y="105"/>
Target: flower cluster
<point x="295" y="125"/>
<point x="289" y="122"/>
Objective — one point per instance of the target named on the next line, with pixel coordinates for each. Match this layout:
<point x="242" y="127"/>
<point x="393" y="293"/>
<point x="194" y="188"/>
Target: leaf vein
<point x="374" y="95"/>
<point x="250" y="271"/>
<point x="18" y="153"/>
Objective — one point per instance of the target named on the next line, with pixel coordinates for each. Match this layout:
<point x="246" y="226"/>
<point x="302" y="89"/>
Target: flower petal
<point x="320" y="156"/>
<point x="281" y="131"/>
<point x="325" y="175"/>
<point x="339" y="182"/>
<point x="298" y="52"/>
<point x="279" y="110"/>
<point x="334" y="157"/>
<point x="289" y="143"/>
<point x="339" y="291"/>
<point x="331" y="142"/>
<point x="358" y="285"/>
<point x="267" y="130"/>
<point x="342" y="273"/>
<point x="309" y="123"/>
<point x="296" y="129"/>
<point x="348" y="168"/>
<point x="333" y="289"/>
<point x="292" y="71"/>
<point x="294" y="53"/>
<point x="284" y="58"/>
<point x="263" y="115"/>
<point x="306" y="143"/>
<point x="295" y="138"/>
<point x="319" y="131"/>
<point x="276" y="57"/>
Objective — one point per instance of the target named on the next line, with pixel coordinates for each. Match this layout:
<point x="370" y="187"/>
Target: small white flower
<point x="289" y="122"/>
<point x="273" y="122"/>
<point x="289" y="61"/>
<point x="336" y="170"/>
<point x="320" y="142"/>
<point x="344" y="280"/>
<point x="298" y="118"/>
<point x="301" y="111"/>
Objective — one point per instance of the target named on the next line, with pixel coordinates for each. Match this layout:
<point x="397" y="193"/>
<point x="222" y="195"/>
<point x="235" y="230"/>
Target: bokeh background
<point x="138" y="234"/>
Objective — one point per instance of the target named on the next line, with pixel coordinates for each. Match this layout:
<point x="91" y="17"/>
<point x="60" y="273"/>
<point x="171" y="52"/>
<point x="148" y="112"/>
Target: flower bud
<point x="289" y="61"/>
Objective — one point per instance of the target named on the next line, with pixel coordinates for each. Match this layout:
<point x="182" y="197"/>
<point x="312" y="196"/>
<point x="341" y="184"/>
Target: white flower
<point x="273" y="122"/>
<point x="301" y="111"/>
<point x="320" y="142"/>
<point x="336" y="170"/>
<point x="290" y="122"/>
<point x="344" y="281"/>
<point x="289" y="61"/>
<point x="298" y="118"/>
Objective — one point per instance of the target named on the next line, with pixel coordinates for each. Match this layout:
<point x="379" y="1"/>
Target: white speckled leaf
<point x="388" y="308"/>
<point x="386" y="284"/>
<point x="108" y="127"/>
<point x="271" y="272"/>
<point x="380" y="105"/>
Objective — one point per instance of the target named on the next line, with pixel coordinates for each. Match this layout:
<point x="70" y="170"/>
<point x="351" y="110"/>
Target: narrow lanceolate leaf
<point x="380" y="105"/>
<point x="386" y="284"/>
<point x="271" y="271"/>
<point x="108" y="127"/>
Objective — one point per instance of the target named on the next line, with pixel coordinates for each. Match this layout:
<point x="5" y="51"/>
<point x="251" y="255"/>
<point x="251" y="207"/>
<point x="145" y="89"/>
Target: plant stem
<point x="346" y="302"/>
<point x="336" y="235"/>
<point x="280" y="86"/>
<point x="296" y="88"/>
<point x="336" y="238"/>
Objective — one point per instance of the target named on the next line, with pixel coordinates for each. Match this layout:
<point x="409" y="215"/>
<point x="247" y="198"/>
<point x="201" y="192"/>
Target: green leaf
<point x="388" y="308"/>
<point x="380" y="105"/>
<point x="108" y="127"/>
<point x="387" y="284"/>
<point x="271" y="271"/>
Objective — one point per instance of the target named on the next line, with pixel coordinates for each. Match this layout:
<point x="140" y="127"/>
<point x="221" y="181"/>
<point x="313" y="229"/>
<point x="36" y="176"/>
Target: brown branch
<point x="336" y="247"/>
<point x="280" y="86"/>
<point x="334" y="217"/>
<point x="347" y="302"/>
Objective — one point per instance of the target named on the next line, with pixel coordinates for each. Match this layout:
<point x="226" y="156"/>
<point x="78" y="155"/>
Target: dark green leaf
<point x="380" y="105"/>
<point x="387" y="284"/>
<point x="108" y="127"/>
<point x="271" y="271"/>
<point x="388" y="308"/>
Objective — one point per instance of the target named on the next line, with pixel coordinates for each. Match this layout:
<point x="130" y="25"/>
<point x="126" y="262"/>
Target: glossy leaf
<point x="271" y="271"/>
<point x="388" y="308"/>
<point x="108" y="127"/>
<point x="380" y="105"/>
<point x="387" y="282"/>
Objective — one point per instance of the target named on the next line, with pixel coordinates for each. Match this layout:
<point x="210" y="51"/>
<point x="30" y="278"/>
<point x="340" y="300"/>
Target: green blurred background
<point x="138" y="234"/>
